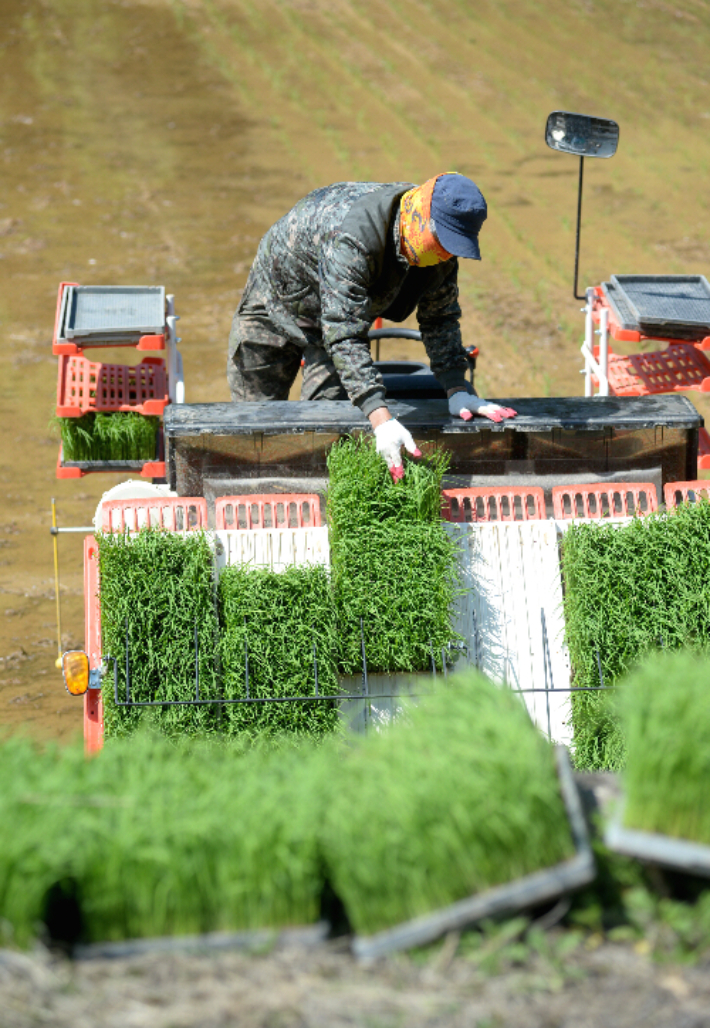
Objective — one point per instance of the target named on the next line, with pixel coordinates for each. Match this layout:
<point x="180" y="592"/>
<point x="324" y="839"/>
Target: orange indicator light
<point x="75" y="668"/>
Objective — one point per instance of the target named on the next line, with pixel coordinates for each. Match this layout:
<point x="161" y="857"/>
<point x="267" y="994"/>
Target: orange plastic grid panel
<point x="63" y="472"/>
<point x="172" y="513"/>
<point x="85" y="385"/>
<point x="618" y="499"/>
<point x="682" y="366"/>
<point x="494" y="503"/>
<point x="675" y="493"/>
<point x="269" y="510"/>
<point x="93" y="707"/>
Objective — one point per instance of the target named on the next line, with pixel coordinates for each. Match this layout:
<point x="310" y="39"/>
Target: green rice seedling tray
<point x="652" y="848"/>
<point x="256" y="940"/>
<point x="529" y="891"/>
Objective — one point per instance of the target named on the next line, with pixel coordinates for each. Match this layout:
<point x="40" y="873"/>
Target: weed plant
<point x="666" y="720"/>
<point x="393" y="564"/>
<point x="630" y="590"/>
<point x="280" y="615"/>
<point x="158" y="838"/>
<point x="157" y="586"/>
<point x="460" y="797"/>
<point x="108" y="437"/>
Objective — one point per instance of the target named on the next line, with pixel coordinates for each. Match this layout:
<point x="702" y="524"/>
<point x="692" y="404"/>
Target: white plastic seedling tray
<point x="530" y="891"/>
<point x="254" y="940"/>
<point x="511" y="618"/>
<point x="272" y="548"/>
<point x="676" y="854"/>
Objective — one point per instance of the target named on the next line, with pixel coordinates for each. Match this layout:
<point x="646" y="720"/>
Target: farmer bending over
<point x="343" y="256"/>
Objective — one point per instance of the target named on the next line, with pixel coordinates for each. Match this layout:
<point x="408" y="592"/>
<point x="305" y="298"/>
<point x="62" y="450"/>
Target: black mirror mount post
<point x="579" y="228"/>
<point x="583" y="136"/>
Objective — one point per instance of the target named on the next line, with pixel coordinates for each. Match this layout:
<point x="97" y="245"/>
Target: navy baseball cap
<point x="458" y="210"/>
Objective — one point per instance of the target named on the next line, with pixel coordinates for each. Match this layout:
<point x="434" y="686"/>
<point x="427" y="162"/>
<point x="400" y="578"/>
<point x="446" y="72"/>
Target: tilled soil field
<point x="597" y="984"/>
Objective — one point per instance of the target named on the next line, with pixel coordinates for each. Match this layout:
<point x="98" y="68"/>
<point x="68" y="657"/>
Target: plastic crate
<point x="675" y="493"/>
<point x="494" y="503"/>
<point x="151" y="468"/>
<point x="172" y="513"/>
<point x="89" y="316"/>
<point x="78" y="469"/>
<point x="271" y="510"/>
<point x="84" y="386"/>
<point x="597" y="500"/>
<point x="681" y="367"/>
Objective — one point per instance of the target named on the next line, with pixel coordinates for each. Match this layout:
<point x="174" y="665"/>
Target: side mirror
<point x="75" y="669"/>
<point x="581" y="134"/>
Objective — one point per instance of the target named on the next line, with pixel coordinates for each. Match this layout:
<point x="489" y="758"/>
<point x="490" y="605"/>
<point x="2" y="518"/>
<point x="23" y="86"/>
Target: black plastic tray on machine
<point x="665" y="305"/>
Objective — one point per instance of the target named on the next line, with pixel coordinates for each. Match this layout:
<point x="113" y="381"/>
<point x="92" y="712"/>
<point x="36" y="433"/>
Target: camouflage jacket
<point x="332" y="265"/>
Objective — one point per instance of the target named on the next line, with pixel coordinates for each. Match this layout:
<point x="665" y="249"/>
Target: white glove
<point x="390" y="437"/>
<point x="465" y="405"/>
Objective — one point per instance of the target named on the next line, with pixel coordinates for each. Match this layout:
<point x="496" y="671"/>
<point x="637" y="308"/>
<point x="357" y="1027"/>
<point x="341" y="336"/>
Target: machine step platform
<point x="680" y="368"/>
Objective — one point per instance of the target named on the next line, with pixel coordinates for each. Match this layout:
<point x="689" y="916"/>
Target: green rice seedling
<point x="630" y="590"/>
<point x="155" y="588"/>
<point x="361" y="491"/>
<point x="400" y="579"/>
<point x="169" y="837"/>
<point x="393" y="563"/>
<point x="108" y="437"/>
<point x="666" y="720"/>
<point x="460" y="796"/>
<point x="278" y="617"/>
<point x="160" y="838"/>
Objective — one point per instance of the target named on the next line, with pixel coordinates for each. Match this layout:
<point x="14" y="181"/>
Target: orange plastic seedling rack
<point x="629" y="335"/>
<point x="170" y="513"/>
<point x="493" y="503"/>
<point x="85" y="386"/>
<point x="675" y="493"/>
<point x="270" y="510"/>
<point x="600" y="500"/>
<point x="680" y="368"/>
<point x="148" y="469"/>
<point x="93" y="705"/>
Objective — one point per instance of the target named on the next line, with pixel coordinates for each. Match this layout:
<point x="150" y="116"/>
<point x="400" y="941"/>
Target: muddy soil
<point x="154" y="141"/>
<point x="598" y="986"/>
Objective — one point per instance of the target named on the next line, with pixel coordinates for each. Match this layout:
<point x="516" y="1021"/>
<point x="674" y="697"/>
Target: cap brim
<point x="457" y="244"/>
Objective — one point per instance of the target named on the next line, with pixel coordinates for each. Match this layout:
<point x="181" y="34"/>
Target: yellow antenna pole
<point x="55" y="537"/>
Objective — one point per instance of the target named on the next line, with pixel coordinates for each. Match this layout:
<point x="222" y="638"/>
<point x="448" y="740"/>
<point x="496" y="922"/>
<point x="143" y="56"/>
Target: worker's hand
<point x="465" y="405"/>
<point x="390" y="437"/>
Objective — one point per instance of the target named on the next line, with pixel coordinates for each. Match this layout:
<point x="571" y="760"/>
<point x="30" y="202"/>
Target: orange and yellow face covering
<point x="417" y="241"/>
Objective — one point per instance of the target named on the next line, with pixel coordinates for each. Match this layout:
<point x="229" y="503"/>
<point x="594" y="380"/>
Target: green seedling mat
<point x="526" y="892"/>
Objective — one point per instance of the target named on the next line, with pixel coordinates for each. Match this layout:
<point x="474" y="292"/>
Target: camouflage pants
<point x="263" y="362"/>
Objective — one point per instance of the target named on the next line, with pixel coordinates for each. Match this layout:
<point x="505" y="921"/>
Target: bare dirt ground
<point x="598" y="985"/>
